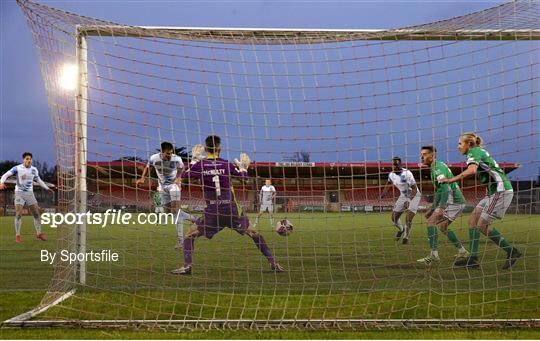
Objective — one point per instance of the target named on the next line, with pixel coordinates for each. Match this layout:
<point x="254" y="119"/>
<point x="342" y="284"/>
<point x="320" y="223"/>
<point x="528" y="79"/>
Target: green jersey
<point x="489" y="171"/>
<point x="445" y="193"/>
<point x="157" y="199"/>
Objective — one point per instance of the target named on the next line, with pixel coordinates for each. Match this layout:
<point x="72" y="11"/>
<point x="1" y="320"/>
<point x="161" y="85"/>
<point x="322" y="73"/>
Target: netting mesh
<point x="321" y="113"/>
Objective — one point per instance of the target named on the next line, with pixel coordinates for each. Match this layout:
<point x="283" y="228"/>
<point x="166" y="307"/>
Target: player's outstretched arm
<point x="385" y="190"/>
<point x="471" y="170"/>
<point x="42" y="184"/>
<point x="143" y="177"/>
<point x="6" y="175"/>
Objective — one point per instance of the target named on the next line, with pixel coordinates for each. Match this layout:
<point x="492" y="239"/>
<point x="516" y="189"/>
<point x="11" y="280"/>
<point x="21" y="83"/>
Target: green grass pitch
<point x="339" y="265"/>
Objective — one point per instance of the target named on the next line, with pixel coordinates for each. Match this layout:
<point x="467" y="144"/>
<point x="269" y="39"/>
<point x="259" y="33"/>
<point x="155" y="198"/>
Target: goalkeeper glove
<point x="197" y="153"/>
<point x="244" y="162"/>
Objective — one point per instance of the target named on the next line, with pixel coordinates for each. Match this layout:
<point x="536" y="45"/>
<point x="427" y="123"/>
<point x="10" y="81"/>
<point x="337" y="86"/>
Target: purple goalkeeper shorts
<point x="216" y="218"/>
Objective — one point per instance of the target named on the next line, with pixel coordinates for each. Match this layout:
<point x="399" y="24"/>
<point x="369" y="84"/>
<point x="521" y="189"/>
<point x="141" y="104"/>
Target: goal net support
<point x="343" y="103"/>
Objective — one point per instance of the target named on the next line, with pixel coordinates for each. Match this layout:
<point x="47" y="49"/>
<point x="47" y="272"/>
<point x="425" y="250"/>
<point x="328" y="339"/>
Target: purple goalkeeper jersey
<point x="215" y="175"/>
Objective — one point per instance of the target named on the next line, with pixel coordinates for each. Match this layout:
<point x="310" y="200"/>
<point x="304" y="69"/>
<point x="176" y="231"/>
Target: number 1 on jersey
<point x="217" y="185"/>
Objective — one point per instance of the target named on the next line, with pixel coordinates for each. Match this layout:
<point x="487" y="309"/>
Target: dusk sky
<point x="25" y="123"/>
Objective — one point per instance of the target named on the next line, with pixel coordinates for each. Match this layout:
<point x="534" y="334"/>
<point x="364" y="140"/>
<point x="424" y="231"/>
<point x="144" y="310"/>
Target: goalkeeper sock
<point x="261" y="245"/>
<point x="433" y="237"/>
<point x="18" y="221"/>
<point x="498" y="239"/>
<point x="453" y="239"/>
<point x="474" y="241"/>
<point x="189" y="246"/>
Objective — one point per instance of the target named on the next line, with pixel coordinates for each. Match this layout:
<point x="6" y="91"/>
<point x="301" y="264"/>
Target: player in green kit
<point x="493" y="206"/>
<point x="447" y="206"/>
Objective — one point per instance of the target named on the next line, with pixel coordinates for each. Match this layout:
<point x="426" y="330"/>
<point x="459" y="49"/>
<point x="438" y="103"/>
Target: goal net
<point x="321" y="113"/>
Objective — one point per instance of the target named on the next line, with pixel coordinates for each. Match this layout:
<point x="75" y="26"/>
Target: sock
<point x="453" y="239"/>
<point x="434" y="253"/>
<point x="474" y="241"/>
<point x="189" y="246"/>
<point x="498" y="239"/>
<point x="257" y="220"/>
<point x="180" y="227"/>
<point x="37" y="225"/>
<point x="265" y="250"/>
<point x="433" y="237"/>
<point x="271" y="221"/>
<point x="18" y="221"/>
<point x="398" y="225"/>
<point x="407" y="231"/>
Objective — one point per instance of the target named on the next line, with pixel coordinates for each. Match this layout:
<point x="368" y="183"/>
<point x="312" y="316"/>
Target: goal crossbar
<point x="302" y="35"/>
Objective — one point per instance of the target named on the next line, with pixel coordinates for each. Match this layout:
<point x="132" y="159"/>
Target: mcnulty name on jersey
<point x="72" y="257"/>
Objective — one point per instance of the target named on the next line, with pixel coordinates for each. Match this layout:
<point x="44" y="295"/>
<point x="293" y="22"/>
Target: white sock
<point x="462" y="249"/>
<point x="435" y="254"/>
<point x="180" y="225"/>
<point x="399" y="226"/>
<point x="18" y="221"/>
<point x="37" y="225"/>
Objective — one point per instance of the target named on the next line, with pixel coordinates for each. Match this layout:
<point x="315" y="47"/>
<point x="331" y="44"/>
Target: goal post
<point x="348" y="99"/>
<point x="81" y="129"/>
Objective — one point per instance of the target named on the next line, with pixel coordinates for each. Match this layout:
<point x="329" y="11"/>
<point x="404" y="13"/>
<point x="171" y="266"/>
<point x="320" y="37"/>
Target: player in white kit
<point x="408" y="200"/>
<point x="266" y="198"/>
<point x="166" y="164"/>
<point x="25" y="175"/>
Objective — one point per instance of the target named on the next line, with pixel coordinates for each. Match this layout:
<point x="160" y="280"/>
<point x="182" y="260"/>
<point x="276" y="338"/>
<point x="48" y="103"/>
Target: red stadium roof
<point x="294" y="169"/>
<point x="504" y="165"/>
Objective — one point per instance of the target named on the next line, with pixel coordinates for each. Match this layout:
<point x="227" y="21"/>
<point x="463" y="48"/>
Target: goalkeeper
<point x="222" y="210"/>
<point x="448" y="204"/>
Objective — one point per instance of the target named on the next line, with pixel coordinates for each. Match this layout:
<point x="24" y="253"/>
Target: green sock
<point x="453" y="238"/>
<point x="498" y="239"/>
<point x="474" y="241"/>
<point x="433" y="237"/>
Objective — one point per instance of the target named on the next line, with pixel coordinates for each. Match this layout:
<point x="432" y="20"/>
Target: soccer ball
<point x="284" y="227"/>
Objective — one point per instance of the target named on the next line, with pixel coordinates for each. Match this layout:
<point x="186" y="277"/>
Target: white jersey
<point x="404" y="181"/>
<point x="25" y="176"/>
<point x="267" y="193"/>
<point x="166" y="171"/>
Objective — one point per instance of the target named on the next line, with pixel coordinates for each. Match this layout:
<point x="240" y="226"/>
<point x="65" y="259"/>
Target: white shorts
<point x="494" y="206"/>
<point x="267" y="206"/>
<point x="169" y="193"/>
<point x="22" y="198"/>
<point x="413" y="203"/>
<point x="452" y="211"/>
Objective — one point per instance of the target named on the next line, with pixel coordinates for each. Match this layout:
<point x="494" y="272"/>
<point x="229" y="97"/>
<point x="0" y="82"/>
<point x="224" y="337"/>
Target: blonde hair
<point x="472" y="139"/>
